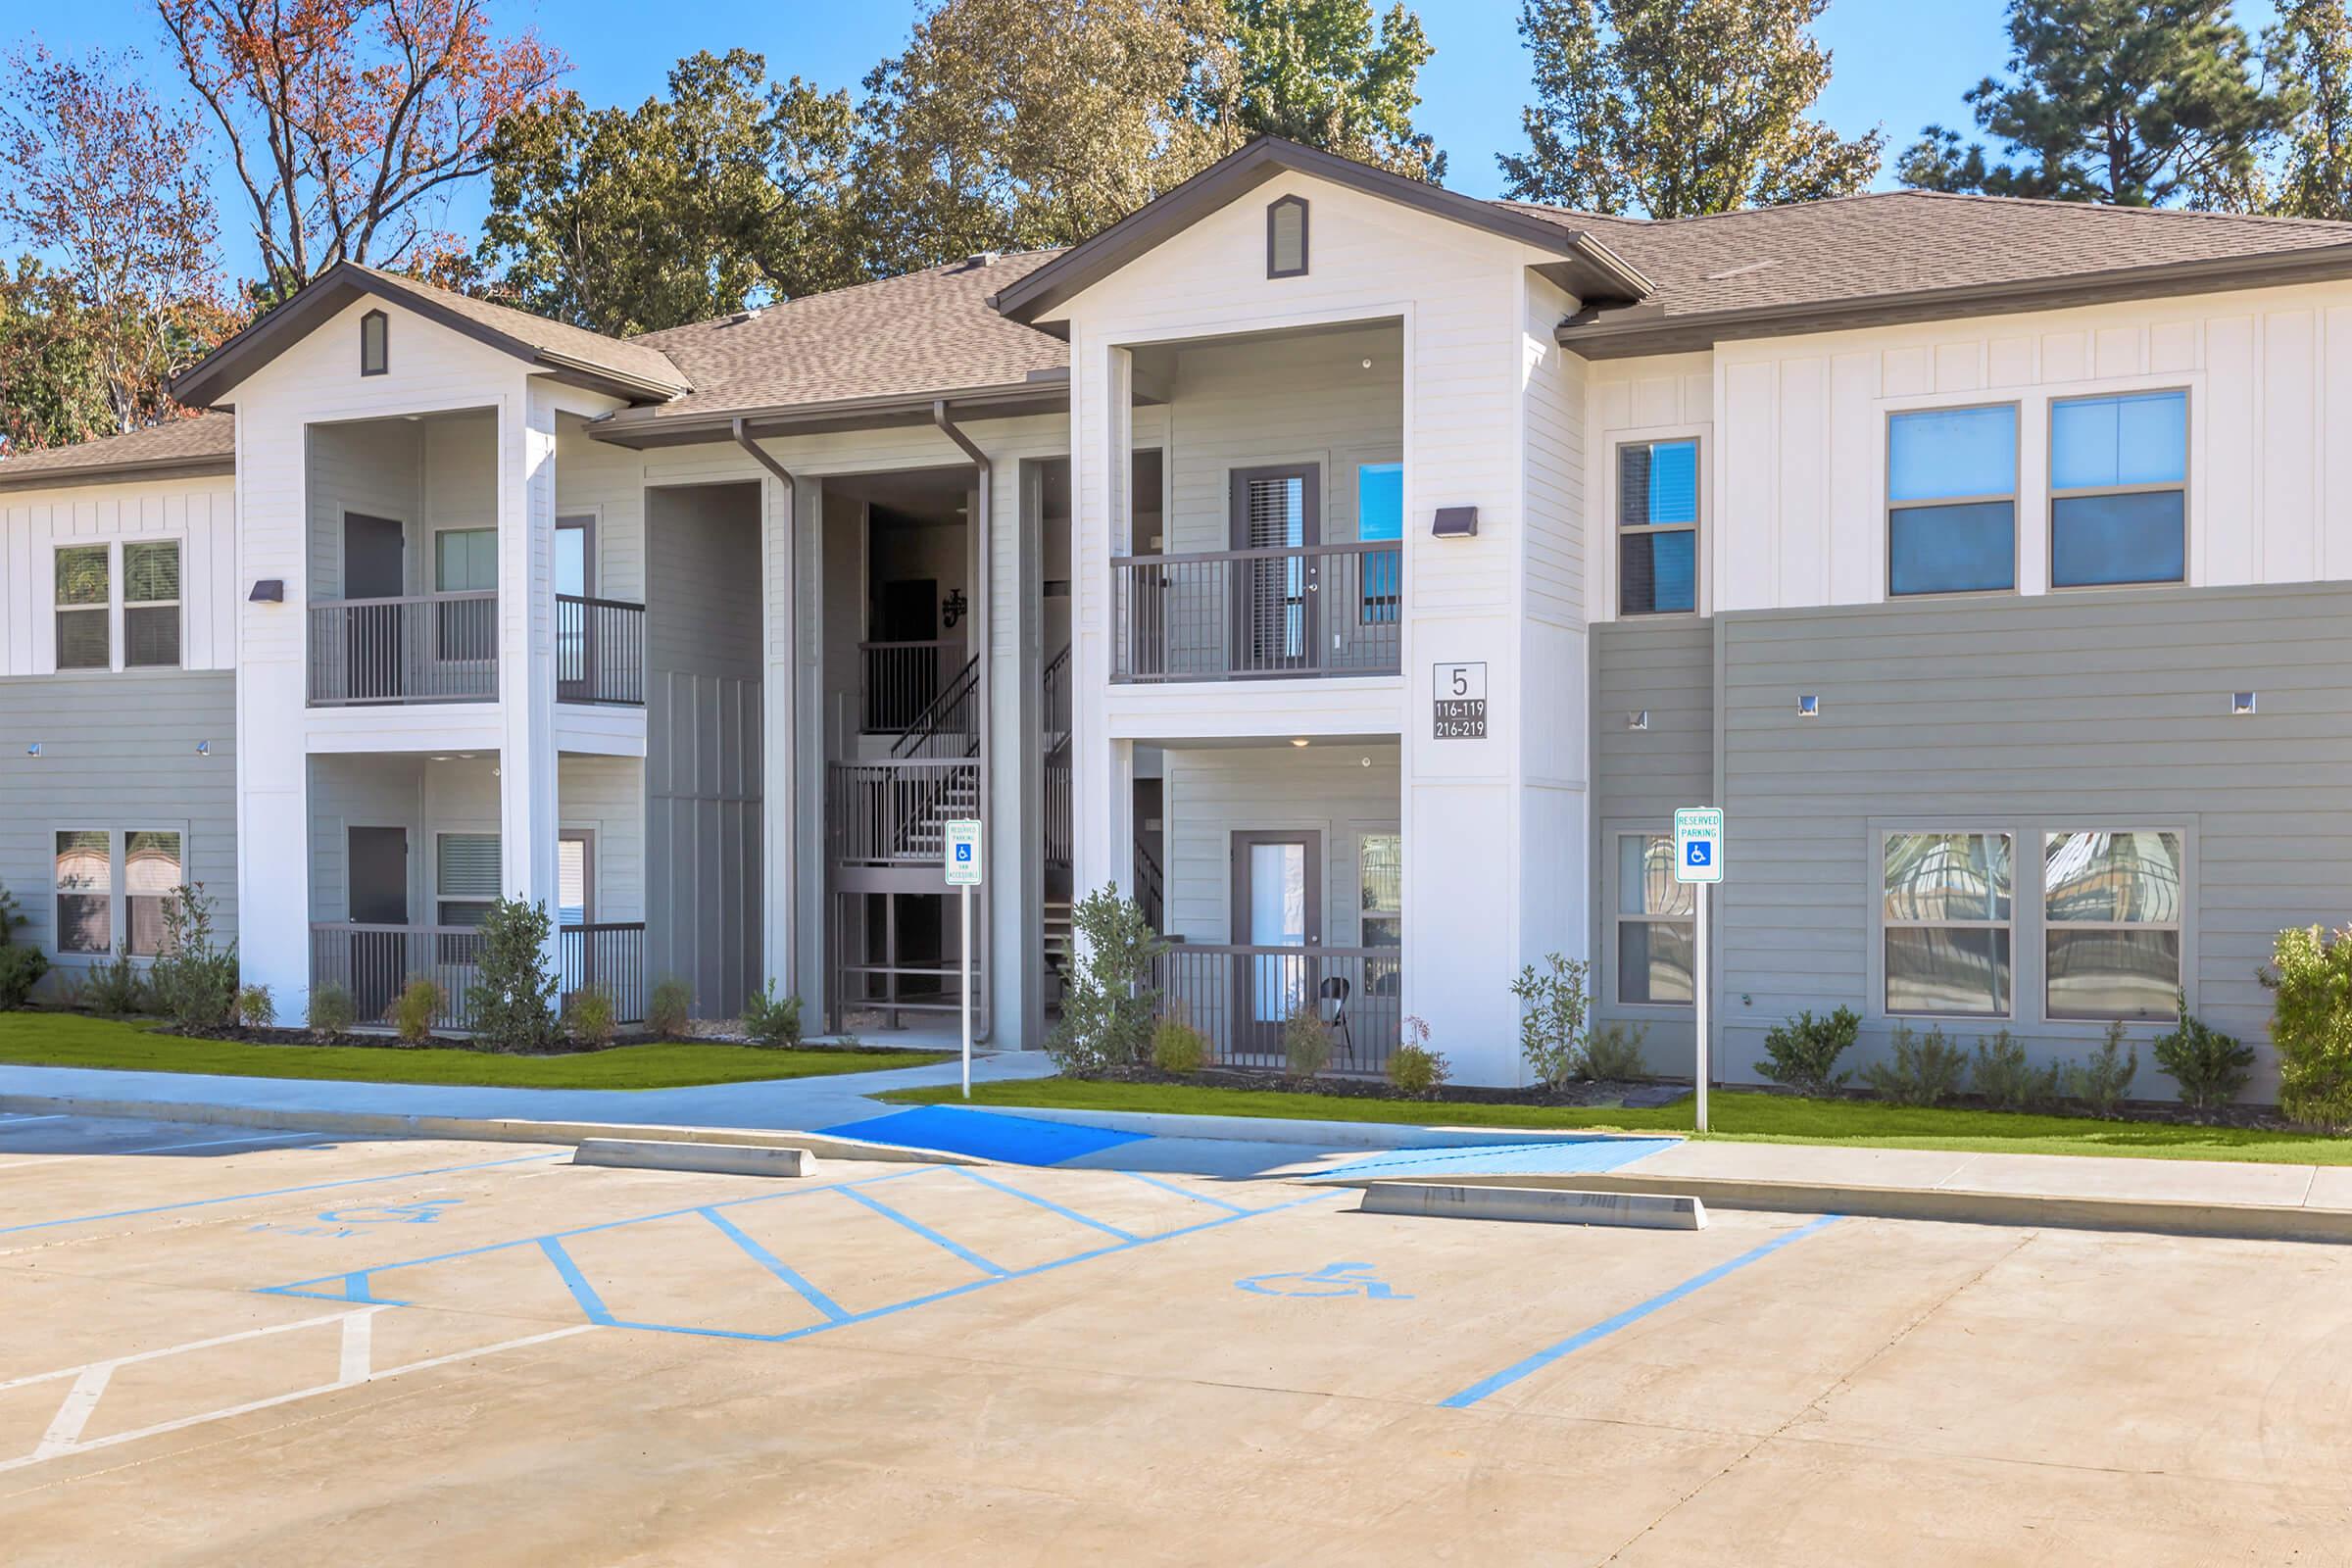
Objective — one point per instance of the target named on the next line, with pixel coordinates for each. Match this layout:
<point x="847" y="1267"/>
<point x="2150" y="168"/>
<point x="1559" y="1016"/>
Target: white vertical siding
<point x="201" y="513"/>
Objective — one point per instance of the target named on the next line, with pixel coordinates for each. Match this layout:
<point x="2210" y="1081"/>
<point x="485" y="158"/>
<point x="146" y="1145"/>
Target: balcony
<point x="891" y="814"/>
<point x="1302" y="611"/>
<point x="422" y="647"/>
<point x="375" y="962"/>
<point x="599" y="651"/>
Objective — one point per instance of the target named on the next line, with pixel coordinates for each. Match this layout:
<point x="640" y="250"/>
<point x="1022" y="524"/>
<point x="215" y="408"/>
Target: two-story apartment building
<point x="1358" y="572"/>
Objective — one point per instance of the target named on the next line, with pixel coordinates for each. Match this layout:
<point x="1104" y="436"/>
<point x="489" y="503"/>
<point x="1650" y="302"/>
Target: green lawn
<point x="69" y="1040"/>
<point x="1738" y="1117"/>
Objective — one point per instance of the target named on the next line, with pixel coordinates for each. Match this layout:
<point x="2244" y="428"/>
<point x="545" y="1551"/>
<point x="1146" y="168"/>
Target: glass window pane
<point x="1382" y="931"/>
<point x="1657" y="572"/>
<point x="81" y="575"/>
<point x="151" y="571"/>
<point x="1948" y="876"/>
<point x="1646" y="883"/>
<point x="150" y="636"/>
<point x="464" y="560"/>
<point x="1633" y="486"/>
<point x="143" y="914"/>
<point x="2114" y="974"/>
<point x="1962" y="971"/>
<point x="1380" y="872"/>
<point x="571" y="562"/>
<point x="572" y="882"/>
<point x="2141" y="439"/>
<point x="84" y="924"/>
<point x="84" y="878"/>
<point x="2121" y="538"/>
<point x="151" y="862"/>
<point x="1951" y="451"/>
<point x="1380" y="501"/>
<point x="1674" y="482"/>
<point x="81" y="640"/>
<point x="461" y="913"/>
<point x="1654" y="961"/>
<point x="86" y="861"/>
<point x="1289" y="219"/>
<point x="469" y="865"/>
<point x="1950" y="550"/>
<point x="2113" y="877"/>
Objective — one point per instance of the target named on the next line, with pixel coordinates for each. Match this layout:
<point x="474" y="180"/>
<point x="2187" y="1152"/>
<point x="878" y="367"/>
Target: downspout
<point x="791" y="664"/>
<point x="985" y="938"/>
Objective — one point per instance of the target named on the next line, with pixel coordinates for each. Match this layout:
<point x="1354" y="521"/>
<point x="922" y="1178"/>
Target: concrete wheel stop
<point x="1541" y="1205"/>
<point x="714" y="1159"/>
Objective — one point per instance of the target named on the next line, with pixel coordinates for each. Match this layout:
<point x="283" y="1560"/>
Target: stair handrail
<point x="1054" y="698"/>
<point x="955" y="701"/>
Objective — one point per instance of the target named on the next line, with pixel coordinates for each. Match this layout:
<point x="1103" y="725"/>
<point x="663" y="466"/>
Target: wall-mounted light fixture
<point x="267" y="591"/>
<point x="204" y="748"/>
<point x="1638" y="720"/>
<point x="33" y="750"/>
<point x="2242" y="703"/>
<point x="1808" y="707"/>
<point x="1456" y="522"/>
<point x="1298" y="741"/>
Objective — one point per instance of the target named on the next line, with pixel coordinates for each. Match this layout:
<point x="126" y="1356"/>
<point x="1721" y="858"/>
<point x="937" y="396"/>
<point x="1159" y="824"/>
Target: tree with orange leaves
<point x="345" y="118"/>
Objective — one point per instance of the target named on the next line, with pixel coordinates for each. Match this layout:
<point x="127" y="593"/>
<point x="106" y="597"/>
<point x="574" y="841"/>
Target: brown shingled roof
<point x="203" y="444"/>
<point x="633" y="358"/>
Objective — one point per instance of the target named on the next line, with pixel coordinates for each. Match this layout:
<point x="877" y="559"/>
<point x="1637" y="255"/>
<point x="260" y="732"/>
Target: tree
<point x="2134" y="102"/>
<point x="2308" y="52"/>
<point x="1672" y="108"/>
<point x="103" y="182"/>
<point x="688" y="206"/>
<point x="1321" y="71"/>
<point x="344" y="117"/>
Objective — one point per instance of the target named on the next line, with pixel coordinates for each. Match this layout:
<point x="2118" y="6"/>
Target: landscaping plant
<point x="2100" y="1081"/>
<point x="1614" y="1055"/>
<point x="331" y="1011"/>
<point x="2311" y="1025"/>
<point x="1176" y="1046"/>
<point x="2005" y="1080"/>
<point x="1107" y="1004"/>
<point x="21" y="966"/>
<point x="116" y="989"/>
<point x="771" y="1020"/>
<point x="670" y="1008"/>
<point x="512" y="997"/>
<point x="1803" y="1051"/>
<point x="194" y="983"/>
<point x="413" y="1010"/>
<point x="2210" y="1067"/>
<point x="1927" y="1070"/>
<point x="590" y="1018"/>
<point x="1414" y="1069"/>
<point x="1553" y="1012"/>
<point x="256" y="1008"/>
<point x="1306" y="1041"/>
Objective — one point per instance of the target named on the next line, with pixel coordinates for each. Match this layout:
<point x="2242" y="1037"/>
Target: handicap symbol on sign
<point x="1700" y="851"/>
<point x="1332" y="1279"/>
<point x="423" y="1213"/>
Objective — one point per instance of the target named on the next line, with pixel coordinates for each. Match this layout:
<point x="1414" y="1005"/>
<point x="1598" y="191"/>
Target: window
<point x="575" y="878"/>
<point x="1952" y="501"/>
<point x="84" y="599"/>
<point x="1379" y="516"/>
<point x="1380" y="879"/>
<point x="151" y="869"/>
<point x="1657" y="926"/>
<point x="465" y="560"/>
<point x="85" y="887"/>
<point x="1948" y="905"/>
<point x="1286" y="237"/>
<point x="465" y="868"/>
<point x="151" y="603"/>
<point x="2112" y="903"/>
<point x="376" y="332"/>
<point x="2119" y="490"/>
<point x="1657" y="527"/>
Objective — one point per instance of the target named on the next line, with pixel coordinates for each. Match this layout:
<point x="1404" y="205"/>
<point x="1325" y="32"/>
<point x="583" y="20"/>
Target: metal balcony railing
<point x="424" y="648"/>
<point x="1241" y="997"/>
<point x="1239" y="614"/>
<point x="599" y="651"/>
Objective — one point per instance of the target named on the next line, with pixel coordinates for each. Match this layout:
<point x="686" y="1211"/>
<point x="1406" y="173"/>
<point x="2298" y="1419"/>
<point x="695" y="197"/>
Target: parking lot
<point x="274" y="1347"/>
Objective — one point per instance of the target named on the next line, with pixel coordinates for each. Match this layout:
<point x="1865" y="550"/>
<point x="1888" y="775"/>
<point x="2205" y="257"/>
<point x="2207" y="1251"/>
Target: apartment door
<point x="378" y="869"/>
<point x="1274" y="596"/>
<point x="1277" y="906"/>
<point x="374" y="568"/>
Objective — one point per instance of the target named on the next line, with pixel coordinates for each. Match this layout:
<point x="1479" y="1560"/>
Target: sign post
<point x="1698" y="861"/>
<point x="962" y="854"/>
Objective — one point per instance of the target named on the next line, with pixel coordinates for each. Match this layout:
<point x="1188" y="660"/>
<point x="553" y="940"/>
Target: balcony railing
<point x="890" y="814"/>
<point x="599" y="651"/>
<point x="903" y="679"/>
<point x="425" y="648"/>
<point x="375" y="964"/>
<point x="1240" y="998"/>
<point x="1238" y="615"/>
<point x="610" y="955"/>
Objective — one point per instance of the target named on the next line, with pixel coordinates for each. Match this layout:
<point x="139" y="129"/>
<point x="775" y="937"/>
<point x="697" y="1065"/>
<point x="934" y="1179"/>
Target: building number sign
<point x="1459" y="698"/>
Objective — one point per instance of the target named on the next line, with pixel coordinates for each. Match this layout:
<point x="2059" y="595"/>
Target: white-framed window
<point x="1657" y="924"/>
<point x="84" y="884"/>
<point x="111" y="885"/>
<point x="2112" y="906"/>
<point x="465" y="868"/>
<point x="151" y="603"/>
<point x="85" y="608"/>
<point x="465" y="560"/>
<point x="2119" y="489"/>
<point x="1948" y="913"/>
<point x="1379" y="519"/>
<point x="1951" y="500"/>
<point x="1380" y="889"/>
<point x="1657" y="527"/>
<point x="135" y="581"/>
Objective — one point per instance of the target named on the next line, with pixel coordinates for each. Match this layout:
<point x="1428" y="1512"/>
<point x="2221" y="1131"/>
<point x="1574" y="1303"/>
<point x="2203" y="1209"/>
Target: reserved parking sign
<point x="1699" y="843"/>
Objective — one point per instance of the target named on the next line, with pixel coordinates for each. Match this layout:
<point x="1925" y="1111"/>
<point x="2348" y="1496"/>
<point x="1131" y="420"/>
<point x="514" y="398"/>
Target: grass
<point x="70" y="1040"/>
<point x="1738" y="1117"/>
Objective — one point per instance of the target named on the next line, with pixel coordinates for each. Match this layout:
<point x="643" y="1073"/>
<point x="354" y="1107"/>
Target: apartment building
<point x="1356" y="572"/>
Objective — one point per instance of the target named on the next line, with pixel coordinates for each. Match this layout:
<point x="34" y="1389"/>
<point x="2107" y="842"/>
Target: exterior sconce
<point x="204" y="748"/>
<point x="1456" y="522"/>
<point x="33" y="750"/>
<point x="267" y="591"/>
<point x="2242" y="703"/>
<point x="1639" y="720"/>
<point x="1808" y="707"/>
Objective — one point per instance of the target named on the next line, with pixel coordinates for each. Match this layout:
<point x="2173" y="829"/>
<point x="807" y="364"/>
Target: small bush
<point x="2311" y="1025"/>
<point x="20" y="969"/>
<point x="1553" y="1012"/>
<point x="512" y="997"/>
<point x="256" y="1008"/>
<point x="1614" y="1055"/>
<point x="413" y="1010"/>
<point x="1107" y="1004"/>
<point x="331" y="1011"/>
<point x="2210" y="1067"/>
<point x="771" y="1020"/>
<point x="2099" y="1083"/>
<point x="1927" y="1070"/>
<point x="1415" y="1069"/>
<point x="11" y="915"/>
<point x="194" y="983"/>
<point x="1176" y="1046"/>
<point x="2003" y="1078"/>
<point x="1803" y="1051"/>
<point x="1306" y="1041"/>
<point x="670" y="1008"/>
<point x="589" y="1017"/>
<point x="116" y="989"/>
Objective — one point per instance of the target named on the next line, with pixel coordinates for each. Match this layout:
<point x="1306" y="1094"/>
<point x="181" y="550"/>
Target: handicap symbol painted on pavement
<point x="1332" y="1279"/>
<point x="423" y="1213"/>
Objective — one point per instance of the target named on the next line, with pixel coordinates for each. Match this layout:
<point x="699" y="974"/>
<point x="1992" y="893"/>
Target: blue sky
<point x="1898" y="63"/>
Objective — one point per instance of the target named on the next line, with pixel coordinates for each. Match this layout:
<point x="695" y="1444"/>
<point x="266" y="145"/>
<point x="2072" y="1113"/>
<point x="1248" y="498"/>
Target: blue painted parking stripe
<point x="581" y="1291"/>
<point x="1631" y="1315"/>
<point x="275" y="1192"/>
<point x="925" y="1232"/>
<point x="1183" y="1191"/>
<point x="1043" y="1203"/>
<point x="776" y="1265"/>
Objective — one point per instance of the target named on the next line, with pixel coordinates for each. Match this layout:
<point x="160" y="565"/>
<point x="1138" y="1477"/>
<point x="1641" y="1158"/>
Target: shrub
<point x="1176" y="1046"/>
<point x="512" y="997"/>
<point x="1305" y="1041"/>
<point x="2100" y="1081"/>
<point x="1804" y="1051"/>
<point x="331" y="1011"/>
<point x="2006" y="1080"/>
<point x="256" y="1008"/>
<point x="1107" y="1003"/>
<point x="194" y="983"/>
<point x="589" y="1017"/>
<point x="116" y="989"/>
<point x="2311" y="1025"/>
<point x="11" y="916"/>
<point x="413" y="1010"/>
<point x="771" y="1020"/>
<point x="1927" y="1070"/>
<point x="1415" y="1069"/>
<point x="20" y="969"/>
<point x="1552" y="1011"/>
<point x="2210" y="1067"/>
<point x="1614" y="1055"/>
<point x="670" y="1008"/>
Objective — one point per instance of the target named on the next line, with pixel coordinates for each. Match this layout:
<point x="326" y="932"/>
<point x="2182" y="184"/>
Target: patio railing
<point x="425" y="648"/>
<point x="1240" y="998"/>
<point x="1238" y="615"/>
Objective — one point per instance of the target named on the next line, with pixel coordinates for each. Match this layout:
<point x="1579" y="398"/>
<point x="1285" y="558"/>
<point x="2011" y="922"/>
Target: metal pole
<point x="1705" y="1064"/>
<point x="964" y="915"/>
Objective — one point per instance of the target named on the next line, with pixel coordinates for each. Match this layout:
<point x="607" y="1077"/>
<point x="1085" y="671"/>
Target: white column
<point x="779" y="776"/>
<point x="1100" y="463"/>
<point x="273" y="837"/>
<point x="526" y="649"/>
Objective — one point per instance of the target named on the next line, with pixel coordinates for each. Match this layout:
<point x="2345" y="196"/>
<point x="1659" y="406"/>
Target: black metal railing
<point x="375" y="963"/>
<point x="608" y="954"/>
<point x="599" y="651"/>
<point x="1053" y="701"/>
<point x="890" y="814"/>
<point x="903" y="679"/>
<point x="1240" y="998"/>
<point x="1235" y="614"/>
<point x="424" y="648"/>
<point x="950" y="727"/>
<point x="1150" y="886"/>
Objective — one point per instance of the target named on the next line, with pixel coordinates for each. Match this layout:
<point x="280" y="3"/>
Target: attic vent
<point x="980" y="259"/>
<point x="1741" y="271"/>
